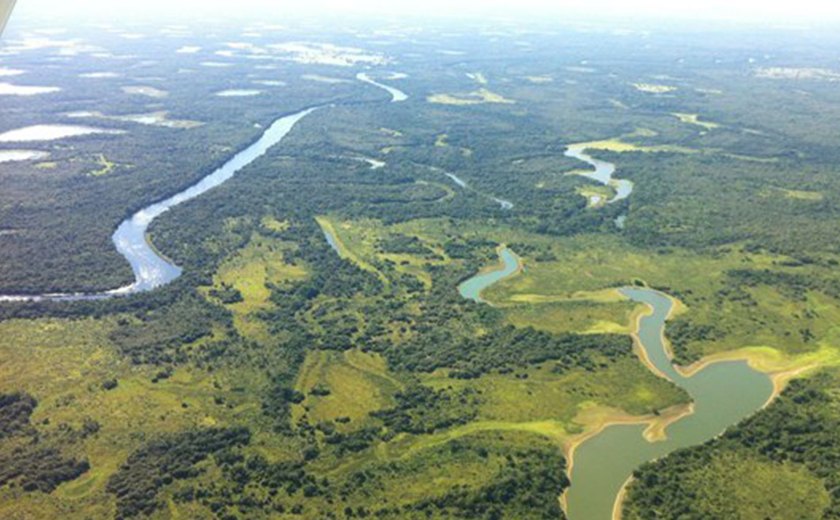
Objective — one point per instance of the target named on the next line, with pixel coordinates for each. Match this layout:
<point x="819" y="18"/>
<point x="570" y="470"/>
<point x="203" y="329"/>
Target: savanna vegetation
<point x="288" y="376"/>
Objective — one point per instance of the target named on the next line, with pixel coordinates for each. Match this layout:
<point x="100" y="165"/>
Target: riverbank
<point x="781" y="369"/>
<point x="604" y="457"/>
<point x="602" y="172"/>
<point x="677" y="307"/>
<point x="779" y="380"/>
<point x="334" y="240"/>
<point x="510" y="264"/>
<point x="520" y="264"/>
<point x="598" y="419"/>
<point x="617" y="512"/>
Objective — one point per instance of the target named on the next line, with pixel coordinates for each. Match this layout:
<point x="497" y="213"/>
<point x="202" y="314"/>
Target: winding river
<point x="472" y="287"/>
<point x="603" y="172"/>
<point x="722" y="393"/>
<point x="397" y="95"/>
<point x="461" y="183"/>
<point x="151" y="269"/>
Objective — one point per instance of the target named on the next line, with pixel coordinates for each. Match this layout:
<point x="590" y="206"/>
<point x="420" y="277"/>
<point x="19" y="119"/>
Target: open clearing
<point x="160" y="118"/>
<point x="22" y="155"/>
<point x="50" y="133"/>
<point x="151" y="92"/>
<point x="693" y="119"/>
<point x="477" y="97"/>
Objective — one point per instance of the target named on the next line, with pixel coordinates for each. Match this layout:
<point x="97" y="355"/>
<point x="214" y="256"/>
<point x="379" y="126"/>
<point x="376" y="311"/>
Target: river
<point x="472" y="287"/>
<point x="151" y="269"/>
<point x="603" y="463"/>
<point x="461" y="183"/>
<point x="723" y="393"/>
<point x="397" y="95"/>
<point x="602" y="173"/>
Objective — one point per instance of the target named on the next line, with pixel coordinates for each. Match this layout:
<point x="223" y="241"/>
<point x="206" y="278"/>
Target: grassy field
<point x="477" y="97"/>
<point x="587" y="264"/>
<point x="540" y="395"/>
<point x="354" y="242"/>
<point x="620" y="145"/>
<point x="357" y="383"/>
<point x="694" y="119"/>
<point x="64" y="363"/>
<point x="248" y="271"/>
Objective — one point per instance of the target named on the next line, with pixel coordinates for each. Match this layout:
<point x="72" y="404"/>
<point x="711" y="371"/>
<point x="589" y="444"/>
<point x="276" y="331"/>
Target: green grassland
<point x="343" y="393"/>
<point x="249" y="271"/>
<point x="65" y="364"/>
<point x="539" y="395"/>
<point x="356" y="384"/>
<point x="722" y="313"/>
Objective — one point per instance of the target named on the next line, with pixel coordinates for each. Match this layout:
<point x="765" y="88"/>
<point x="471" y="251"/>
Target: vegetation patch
<point x="749" y="309"/>
<point x="162" y="461"/>
<point x="694" y="119"/>
<point x="477" y="97"/>
<point x="653" y="88"/>
<point x="105" y="167"/>
<point x="620" y="146"/>
<point x="243" y="281"/>
<point x="345" y="387"/>
<point x="15" y="412"/>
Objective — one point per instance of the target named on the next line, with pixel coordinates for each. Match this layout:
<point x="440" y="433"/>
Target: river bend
<point x="151" y="269"/>
<point x="722" y="393"/>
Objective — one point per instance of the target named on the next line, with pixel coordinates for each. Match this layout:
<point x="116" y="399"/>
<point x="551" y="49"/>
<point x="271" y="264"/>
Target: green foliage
<point x="15" y="411"/>
<point x="403" y="244"/>
<point x="525" y="486"/>
<point x="743" y="231"/>
<point x="37" y="468"/>
<point x="227" y="294"/>
<point x="420" y="409"/>
<point x="27" y="460"/>
<point x="682" y="331"/>
<point x="161" y="461"/>
<point x="158" y="336"/>
<point x="505" y="350"/>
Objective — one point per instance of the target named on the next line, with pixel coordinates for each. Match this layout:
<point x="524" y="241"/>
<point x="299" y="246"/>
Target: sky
<point x="729" y="10"/>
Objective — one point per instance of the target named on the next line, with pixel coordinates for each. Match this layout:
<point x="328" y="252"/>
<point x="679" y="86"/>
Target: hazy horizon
<point x="749" y="12"/>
